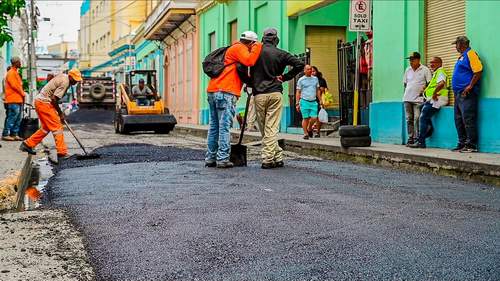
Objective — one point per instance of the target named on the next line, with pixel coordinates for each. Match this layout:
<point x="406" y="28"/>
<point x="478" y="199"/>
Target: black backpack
<point x="213" y="64"/>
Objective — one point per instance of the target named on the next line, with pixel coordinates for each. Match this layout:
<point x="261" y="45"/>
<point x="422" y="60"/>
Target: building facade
<point x="404" y="26"/>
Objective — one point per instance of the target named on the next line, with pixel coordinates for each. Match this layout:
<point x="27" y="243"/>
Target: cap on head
<point x="413" y="55"/>
<point x="250" y="36"/>
<point x="461" y="39"/>
<point x="75" y="74"/>
<point x="270" y="31"/>
<point x="141" y="81"/>
<point x="15" y="60"/>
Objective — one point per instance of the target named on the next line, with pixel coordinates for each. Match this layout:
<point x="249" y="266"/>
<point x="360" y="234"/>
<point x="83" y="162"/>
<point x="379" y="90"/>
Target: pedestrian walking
<point x="223" y="92"/>
<point x="436" y="96"/>
<point x="267" y="79"/>
<point x="307" y="94"/>
<point x="415" y="79"/>
<point x="13" y="101"/>
<point x="465" y="83"/>
<point x="50" y="114"/>
<point x="323" y="87"/>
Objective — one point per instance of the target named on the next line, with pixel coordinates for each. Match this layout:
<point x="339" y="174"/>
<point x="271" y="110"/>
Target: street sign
<point x="360" y="15"/>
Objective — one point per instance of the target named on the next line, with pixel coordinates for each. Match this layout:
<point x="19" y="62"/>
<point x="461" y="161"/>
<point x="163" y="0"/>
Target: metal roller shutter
<point x="322" y="40"/>
<point x="444" y="21"/>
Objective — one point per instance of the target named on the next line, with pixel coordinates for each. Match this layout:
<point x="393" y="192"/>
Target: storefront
<point x="430" y="27"/>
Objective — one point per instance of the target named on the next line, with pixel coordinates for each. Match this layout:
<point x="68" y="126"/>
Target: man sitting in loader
<point x="142" y="93"/>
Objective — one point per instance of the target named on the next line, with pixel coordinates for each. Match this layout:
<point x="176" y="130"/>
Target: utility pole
<point x="31" y="75"/>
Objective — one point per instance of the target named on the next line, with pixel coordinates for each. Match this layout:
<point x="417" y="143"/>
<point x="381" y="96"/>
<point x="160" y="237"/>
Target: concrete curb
<point x="482" y="172"/>
<point x="23" y="182"/>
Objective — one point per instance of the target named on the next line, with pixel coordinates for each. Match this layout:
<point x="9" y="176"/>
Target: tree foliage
<point x="8" y="9"/>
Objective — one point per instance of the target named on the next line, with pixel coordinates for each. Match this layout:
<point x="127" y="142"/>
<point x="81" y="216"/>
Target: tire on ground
<point x="354" y="131"/>
<point x="356" y="141"/>
<point x="97" y="91"/>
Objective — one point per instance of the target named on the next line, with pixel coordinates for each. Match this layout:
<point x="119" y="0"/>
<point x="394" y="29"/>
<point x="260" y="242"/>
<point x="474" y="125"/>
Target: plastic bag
<point x="327" y="99"/>
<point x="323" y="116"/>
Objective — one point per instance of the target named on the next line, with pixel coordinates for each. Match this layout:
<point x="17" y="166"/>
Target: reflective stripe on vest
<point x="429" y="91"/>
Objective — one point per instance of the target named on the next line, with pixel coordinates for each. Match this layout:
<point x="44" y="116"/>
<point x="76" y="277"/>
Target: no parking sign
<point x="360" y="16"/>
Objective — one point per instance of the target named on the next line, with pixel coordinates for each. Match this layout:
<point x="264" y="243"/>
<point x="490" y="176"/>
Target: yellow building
<point x="63" y="49"/>
<point x="106" y="25"/>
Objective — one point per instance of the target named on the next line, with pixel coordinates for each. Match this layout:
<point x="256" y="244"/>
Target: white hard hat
<point x="250" y="36"/>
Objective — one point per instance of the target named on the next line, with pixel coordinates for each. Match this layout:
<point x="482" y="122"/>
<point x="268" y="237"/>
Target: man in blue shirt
<point x="465" y="84"/>
<point x="307" y="93"/>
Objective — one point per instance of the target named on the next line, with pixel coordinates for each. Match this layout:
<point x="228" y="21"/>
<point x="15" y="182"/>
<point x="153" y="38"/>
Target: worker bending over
<point x="50" y="114"/>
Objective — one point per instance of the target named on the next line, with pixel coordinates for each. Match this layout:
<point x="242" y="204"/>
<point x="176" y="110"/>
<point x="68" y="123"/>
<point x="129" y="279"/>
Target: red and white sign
<point x="360" y="15"/>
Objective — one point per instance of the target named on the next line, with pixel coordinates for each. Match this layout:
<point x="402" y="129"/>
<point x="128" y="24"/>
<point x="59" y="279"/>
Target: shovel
<point x="85" y="155"/>
<point x="238" y="151"/>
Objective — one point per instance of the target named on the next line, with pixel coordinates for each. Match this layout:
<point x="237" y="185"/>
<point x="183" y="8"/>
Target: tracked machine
<point x="132" y="116"/>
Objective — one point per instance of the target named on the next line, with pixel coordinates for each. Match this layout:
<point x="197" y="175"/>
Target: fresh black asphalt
<point x="172" y="219"/>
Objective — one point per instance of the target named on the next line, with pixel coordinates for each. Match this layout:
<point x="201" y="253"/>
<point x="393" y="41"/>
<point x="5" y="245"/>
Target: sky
<point x="64" y="21"/>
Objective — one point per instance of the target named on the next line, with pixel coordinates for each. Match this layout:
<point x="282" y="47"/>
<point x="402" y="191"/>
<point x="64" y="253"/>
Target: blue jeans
<point x="12" y="120"/>
<point x="222" y="109"/>
<point x="425" y="121"/>
<point x="143" y="102"/>
<point x="466" y="118"/>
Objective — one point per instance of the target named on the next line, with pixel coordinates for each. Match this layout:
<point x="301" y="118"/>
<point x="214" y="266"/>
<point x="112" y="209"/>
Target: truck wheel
<point x="364" y="141"/>
<point x="354" y="131"/>
<point x="97" y="91"/>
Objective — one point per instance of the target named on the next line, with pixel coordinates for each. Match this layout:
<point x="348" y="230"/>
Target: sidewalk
<point x="484" y="167"/>
<point x="11" y="163"/>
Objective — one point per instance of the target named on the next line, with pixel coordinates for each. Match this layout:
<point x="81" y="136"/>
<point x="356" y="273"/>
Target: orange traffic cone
<point x="33" y="193"/>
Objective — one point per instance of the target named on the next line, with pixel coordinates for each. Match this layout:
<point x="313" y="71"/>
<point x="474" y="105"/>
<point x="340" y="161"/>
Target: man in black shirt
<point x="267" y="78"/>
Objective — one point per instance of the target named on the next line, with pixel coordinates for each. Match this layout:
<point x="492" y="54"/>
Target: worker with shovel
<point x="50" y="114"/>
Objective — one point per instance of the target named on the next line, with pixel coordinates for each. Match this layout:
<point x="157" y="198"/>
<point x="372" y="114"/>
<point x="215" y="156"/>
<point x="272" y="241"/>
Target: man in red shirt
<point x="223" y="92"/>
<point x="14" y="99"/>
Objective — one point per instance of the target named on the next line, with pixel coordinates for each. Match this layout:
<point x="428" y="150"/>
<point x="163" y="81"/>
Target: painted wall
<point x="250" y="15"/>
<point x="398" y="29"/>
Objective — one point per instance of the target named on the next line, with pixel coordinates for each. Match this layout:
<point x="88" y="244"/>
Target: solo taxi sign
<point x="360" y="16"/>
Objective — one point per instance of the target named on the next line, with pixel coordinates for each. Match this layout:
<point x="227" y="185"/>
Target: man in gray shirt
<point x="142" y="93"/>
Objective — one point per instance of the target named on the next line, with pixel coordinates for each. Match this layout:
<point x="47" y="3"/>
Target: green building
<point x="430" y="27"/>
<point x="316" y="25"/>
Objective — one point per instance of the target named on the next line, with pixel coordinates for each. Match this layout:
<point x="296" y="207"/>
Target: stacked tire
<point x="355" y="136"/>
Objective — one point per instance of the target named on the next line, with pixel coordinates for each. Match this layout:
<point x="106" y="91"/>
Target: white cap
<point x="250" y="36"/>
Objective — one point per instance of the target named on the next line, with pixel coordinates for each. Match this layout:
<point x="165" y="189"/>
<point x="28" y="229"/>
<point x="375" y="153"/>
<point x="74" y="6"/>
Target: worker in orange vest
<point x="14" y="100"/>
<point x="50" y="114"/>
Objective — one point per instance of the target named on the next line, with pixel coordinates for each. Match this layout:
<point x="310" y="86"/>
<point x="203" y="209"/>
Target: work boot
<point x="210" y="164"/>
<point x="458" y="147"/>
<point x="26" y="148"/>
<point x="317" y="136"/>
<point x="18" y="138"/>
<point x="410" y="141"/>
<point x="268" y="165"/>
<point x="225" y="164"/>
<point x="310" y="134"/>
<point x="279" y="164"/>
<point x="417" y="145"/>
<point x="63" y="156"/>
<point x="8" y="138"/>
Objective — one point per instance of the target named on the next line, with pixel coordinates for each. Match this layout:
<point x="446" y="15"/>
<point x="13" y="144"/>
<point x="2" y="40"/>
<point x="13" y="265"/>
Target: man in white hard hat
<point x="223" y="92"/>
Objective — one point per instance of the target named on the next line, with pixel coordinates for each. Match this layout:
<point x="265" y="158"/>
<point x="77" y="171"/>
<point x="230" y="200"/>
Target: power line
<point x="109" y="16"/>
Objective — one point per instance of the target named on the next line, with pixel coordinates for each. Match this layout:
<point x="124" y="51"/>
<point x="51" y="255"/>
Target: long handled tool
<point x="238" y="151"/>
<point x="86" y="155"/>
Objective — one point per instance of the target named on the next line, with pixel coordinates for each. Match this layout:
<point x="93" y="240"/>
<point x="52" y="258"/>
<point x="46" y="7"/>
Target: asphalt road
<point x="172" y="219"/>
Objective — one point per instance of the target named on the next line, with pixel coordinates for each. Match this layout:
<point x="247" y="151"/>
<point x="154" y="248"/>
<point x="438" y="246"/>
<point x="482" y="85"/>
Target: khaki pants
<point x="268" y="110"/>
<point x="251" y="116"/>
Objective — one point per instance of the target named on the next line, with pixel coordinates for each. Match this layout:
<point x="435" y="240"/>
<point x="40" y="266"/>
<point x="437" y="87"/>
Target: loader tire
<point x="97" y="91"/>
<point x="364" y="141"/>
<point x="354" y="131"/>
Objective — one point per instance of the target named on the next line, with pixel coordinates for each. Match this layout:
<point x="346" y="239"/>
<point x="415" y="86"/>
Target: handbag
<point x="29" y="125"/>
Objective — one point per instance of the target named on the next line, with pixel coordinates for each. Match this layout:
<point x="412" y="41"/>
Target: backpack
<point x="213" y="64"/>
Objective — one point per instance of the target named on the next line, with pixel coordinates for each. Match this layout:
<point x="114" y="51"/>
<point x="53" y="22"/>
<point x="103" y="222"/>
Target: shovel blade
<point x="238" y="155"/>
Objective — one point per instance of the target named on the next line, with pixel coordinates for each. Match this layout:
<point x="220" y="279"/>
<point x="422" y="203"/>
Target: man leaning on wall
<point x="465" y="82"/>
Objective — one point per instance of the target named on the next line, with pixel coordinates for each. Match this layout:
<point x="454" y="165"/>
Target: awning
<point x="166" y="17"/>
